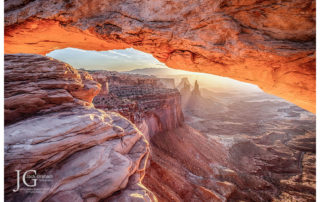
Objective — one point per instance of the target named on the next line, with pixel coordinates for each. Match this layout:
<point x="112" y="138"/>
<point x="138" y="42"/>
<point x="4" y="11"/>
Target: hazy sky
<point x="129" y="59"/>
<point x="118" y="60"/>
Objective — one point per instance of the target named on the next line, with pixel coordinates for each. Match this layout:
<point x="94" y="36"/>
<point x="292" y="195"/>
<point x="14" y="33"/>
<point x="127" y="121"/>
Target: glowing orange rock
<point x="270" y="43"/>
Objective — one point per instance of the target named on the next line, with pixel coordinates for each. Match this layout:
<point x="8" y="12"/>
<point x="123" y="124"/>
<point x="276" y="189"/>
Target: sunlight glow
<point x="133" y="61"/>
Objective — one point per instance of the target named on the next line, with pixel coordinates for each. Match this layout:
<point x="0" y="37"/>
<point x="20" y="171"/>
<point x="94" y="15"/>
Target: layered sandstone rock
<point x="53" y="128"/>
<point x="145" y="100"/>
<point x="268" y="43"/>
<point x="44" y="85"/>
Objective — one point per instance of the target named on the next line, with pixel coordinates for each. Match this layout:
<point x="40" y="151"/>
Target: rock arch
<point x="268" y="43"/>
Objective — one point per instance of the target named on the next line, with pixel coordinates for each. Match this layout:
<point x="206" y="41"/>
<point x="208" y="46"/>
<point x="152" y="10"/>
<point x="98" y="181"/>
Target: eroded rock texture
<point x="45" y="85"/>
<point x="145" y="100"/>
<point x="269" y="43"/>
<point x="185" y="165"/>
<point x="238" y="149"/>
<point x="249" y="163"/>
<point x="53" y="128"/>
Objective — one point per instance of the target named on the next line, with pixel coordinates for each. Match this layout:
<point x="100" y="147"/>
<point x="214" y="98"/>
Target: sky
<point x="114" y="60"/>
<point x="131" y="59"/>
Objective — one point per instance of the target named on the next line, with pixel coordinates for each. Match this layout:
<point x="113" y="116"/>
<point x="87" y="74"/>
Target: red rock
<point x="85" y="148"/>
<point x="53" y="128"/>
<point x="144" y="100"/>
<point x="270" y="43"/>
<point x="35" y="84"/>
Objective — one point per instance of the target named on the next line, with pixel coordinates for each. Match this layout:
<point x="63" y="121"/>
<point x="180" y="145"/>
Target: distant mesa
<point x="184" y="86"/>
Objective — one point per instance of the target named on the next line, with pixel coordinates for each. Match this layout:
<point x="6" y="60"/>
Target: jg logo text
<point x="25" y="174"/>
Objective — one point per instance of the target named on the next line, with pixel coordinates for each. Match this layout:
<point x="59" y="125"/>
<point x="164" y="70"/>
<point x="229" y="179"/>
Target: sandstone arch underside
<point x="268" y="43"/>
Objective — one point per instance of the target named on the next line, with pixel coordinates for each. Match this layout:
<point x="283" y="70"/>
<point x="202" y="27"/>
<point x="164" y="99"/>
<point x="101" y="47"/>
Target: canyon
<point x="213" y="155"/>
<point x="268" y="43"/>
<point x="234" y="146"/>
<point x="109" y="136"/>
<point x="145" y="100"/>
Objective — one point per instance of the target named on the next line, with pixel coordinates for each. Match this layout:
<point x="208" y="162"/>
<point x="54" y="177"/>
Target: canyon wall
<point x="186" y="165"/>
<point x="247" y="151"/>
<point x="145" y="100"/>
<point x="53" y="128"/>
<point x="268" y="43"/>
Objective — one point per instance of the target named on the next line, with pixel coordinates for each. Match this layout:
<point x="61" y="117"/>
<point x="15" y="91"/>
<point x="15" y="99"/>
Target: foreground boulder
<point x="53" y="128"/>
